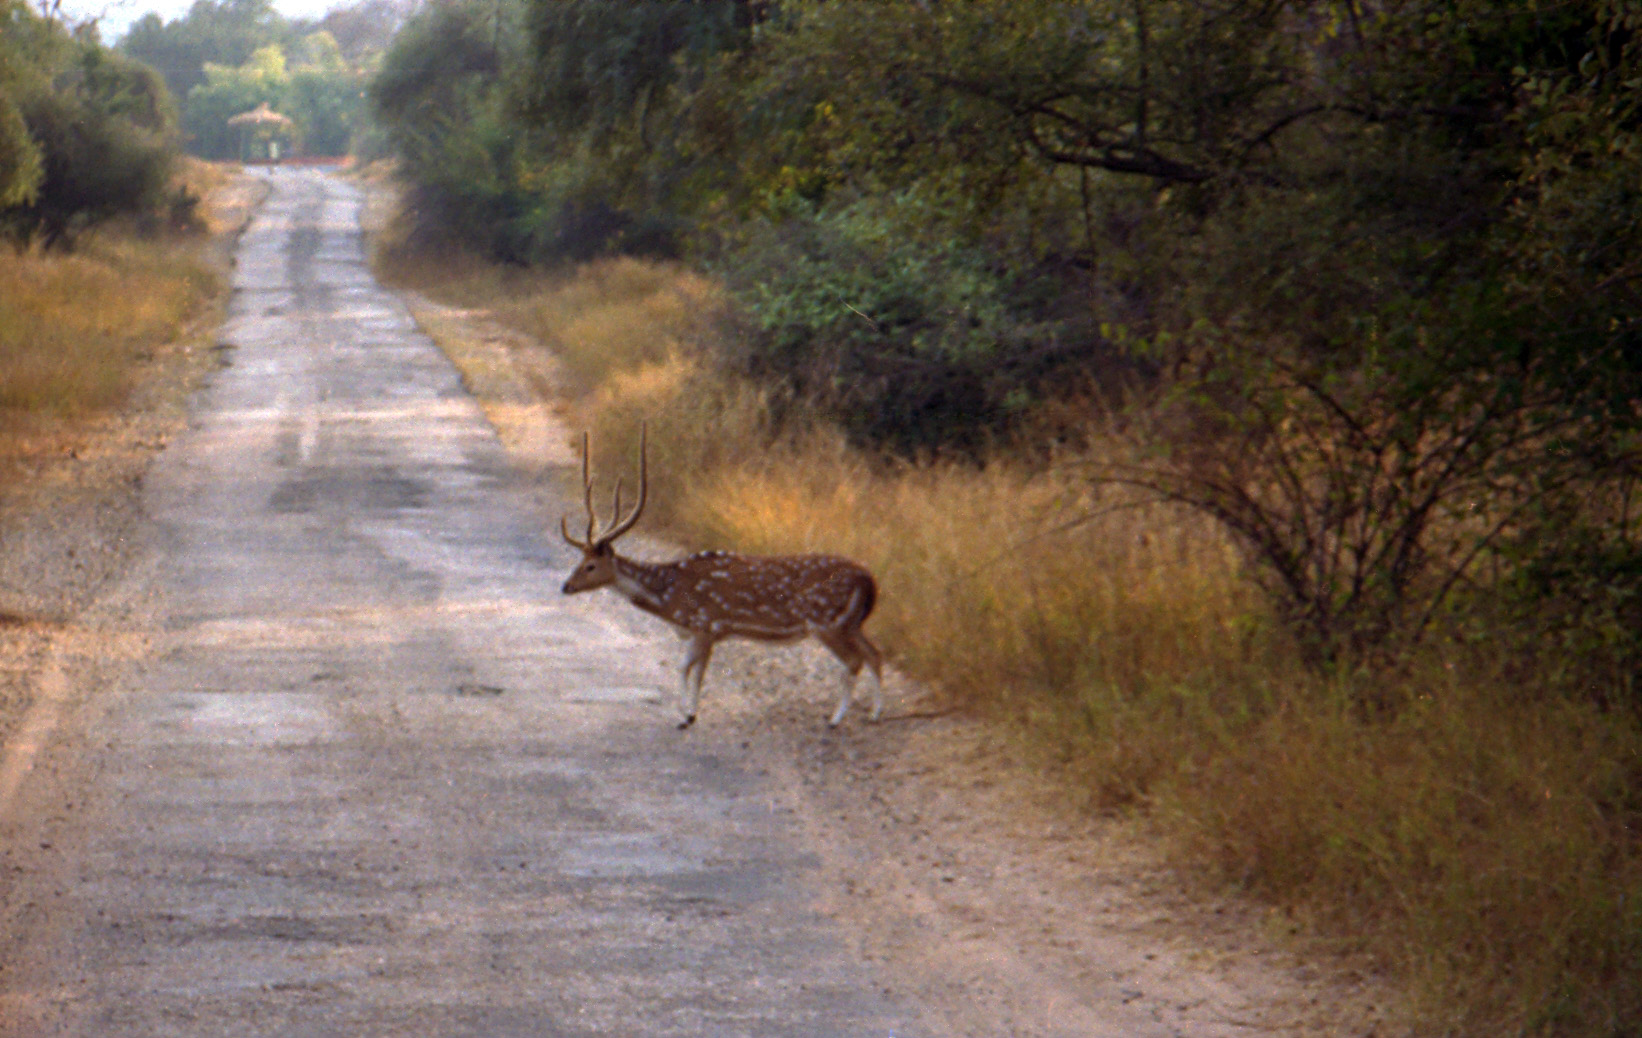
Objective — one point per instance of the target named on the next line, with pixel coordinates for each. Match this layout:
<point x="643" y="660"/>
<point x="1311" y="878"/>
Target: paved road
<point x="379" y="777"/>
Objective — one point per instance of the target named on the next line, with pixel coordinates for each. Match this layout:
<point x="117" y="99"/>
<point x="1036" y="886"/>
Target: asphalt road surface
<point x="377" y="776"/>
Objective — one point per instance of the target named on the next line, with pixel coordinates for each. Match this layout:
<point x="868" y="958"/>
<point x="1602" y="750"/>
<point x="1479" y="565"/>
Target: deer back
<point x="724" y="594"/>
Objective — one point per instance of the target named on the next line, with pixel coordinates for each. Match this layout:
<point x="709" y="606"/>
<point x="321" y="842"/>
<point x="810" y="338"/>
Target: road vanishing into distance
<point x="381" y="777"/>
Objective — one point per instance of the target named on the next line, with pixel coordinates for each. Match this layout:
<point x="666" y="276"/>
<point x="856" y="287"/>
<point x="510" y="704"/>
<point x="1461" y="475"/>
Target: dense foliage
<point x="438" y="99"/>
<point x="226" y="57"/>
<point x="20" y="159"/>
<point x="563" y="111"/>
<point x="225" y="33"/>
<point x="85" y="133"/>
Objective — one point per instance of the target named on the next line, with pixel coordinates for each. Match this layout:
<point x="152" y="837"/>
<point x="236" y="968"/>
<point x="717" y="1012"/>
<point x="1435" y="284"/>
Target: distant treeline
<point x="89" y="131"/>
<point x="226" y="57"/>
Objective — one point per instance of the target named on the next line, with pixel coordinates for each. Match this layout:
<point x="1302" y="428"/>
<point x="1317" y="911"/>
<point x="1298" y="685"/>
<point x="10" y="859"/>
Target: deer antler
<point x="619" y="524"/>
<point x="623" y="525"/>
<point x="587" y="501"/>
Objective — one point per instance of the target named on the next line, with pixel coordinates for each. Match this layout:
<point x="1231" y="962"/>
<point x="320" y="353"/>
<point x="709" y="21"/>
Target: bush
<point x="105" y="130"/>
<point x="438" y="102"/>
<point x="1573" y="603"/>
<point x="909" y="344"/>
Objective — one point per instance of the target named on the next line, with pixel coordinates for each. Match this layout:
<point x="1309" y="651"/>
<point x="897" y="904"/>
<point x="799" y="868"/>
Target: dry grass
<point x="601" y="320"/>
<point x="76" y="328"/>
<point x="991" y="593"/>
<point x="1477" y="845"/>
<point x="612" y="317"/>
<point x="73" y="326"/>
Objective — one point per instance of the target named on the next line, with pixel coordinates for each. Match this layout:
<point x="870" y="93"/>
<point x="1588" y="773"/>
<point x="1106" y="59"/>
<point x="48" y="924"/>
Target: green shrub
<point x="910" y="344"/>
<point x="105" y="132"/>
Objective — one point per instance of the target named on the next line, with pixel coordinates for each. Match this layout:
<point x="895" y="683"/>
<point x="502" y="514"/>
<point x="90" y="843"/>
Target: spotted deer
<point x="714" y="595"/>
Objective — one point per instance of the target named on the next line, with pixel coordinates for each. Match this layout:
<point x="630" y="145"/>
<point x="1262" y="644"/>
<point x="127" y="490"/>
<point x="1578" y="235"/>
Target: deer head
<point x="598" y="566"/>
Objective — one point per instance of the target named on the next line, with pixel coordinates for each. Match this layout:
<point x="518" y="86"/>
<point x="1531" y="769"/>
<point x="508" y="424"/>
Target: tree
<point x="228" y="91"/>
<point x="601" y="72"/>
<point x="20" y="159"/>
<point x="563" y="113"/>
<point x="324" y="94"/>
<point x="216" y="58"/>
<point x="600" y="87"/>
<point x="438" y="99"/>
<point x="1177" y="92"/>
<point x="101" y="128"/>
<point x="1424" y="397"/>
<point x="363" y="31"/>
<point x="220" y="32"/>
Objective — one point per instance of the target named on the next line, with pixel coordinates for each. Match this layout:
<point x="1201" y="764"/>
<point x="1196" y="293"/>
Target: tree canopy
<point x="225" y="57"/>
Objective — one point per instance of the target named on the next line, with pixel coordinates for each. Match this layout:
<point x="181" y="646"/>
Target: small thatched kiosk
<point x="263" y="134"/>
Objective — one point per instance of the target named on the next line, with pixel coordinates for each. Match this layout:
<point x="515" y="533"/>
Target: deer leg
<point x="701" y="650"/>
<point x="846" y="696"/>
<point x="875" y="661"/>
<point x="843" y="646"/>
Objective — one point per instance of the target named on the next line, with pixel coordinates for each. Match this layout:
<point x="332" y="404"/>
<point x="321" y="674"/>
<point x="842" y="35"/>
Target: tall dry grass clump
<point x="601" y="321"/>
<point x="79" y="329"/>
<point x="1477" y="841"/>
<point x="1478" y="845"/>
<point x="615" y="316"/>
<point x="1093" y="629"/>
<point x="73" y="326"/>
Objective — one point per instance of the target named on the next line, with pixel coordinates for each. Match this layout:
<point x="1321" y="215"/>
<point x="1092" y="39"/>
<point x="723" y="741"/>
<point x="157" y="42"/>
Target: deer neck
<point x="644" y="584"/>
